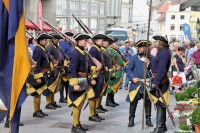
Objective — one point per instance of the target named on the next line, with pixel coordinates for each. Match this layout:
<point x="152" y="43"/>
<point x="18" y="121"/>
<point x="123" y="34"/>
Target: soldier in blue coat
<point x="64" y="84"/>
<point x="159" y="68"/>
<point x="78" y="68"/>
<point x="40" y="73"/>
<point x="96" y="52"/>
<point x="135" y="71"/>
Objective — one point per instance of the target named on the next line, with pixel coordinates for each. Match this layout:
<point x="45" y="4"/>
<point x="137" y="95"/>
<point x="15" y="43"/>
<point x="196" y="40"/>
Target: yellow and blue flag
<point x="14" y="60"/>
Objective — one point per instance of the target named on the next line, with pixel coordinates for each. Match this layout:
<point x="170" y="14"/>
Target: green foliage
<point x="184" y="127"/>
<point x="195" y="119"/>
<point x="198" y="84"/>
<point x="176" y="96"/>
<point x="191" y="90"/>
<point x="183" y="96"/>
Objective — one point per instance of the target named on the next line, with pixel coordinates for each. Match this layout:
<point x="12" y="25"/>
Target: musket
<point x="145" y="64"/>
<point x="29" y="34"/>
<point x="72" y="42"/>
<point x="35" y="25"/>
<point x="54" y="61"/>
<point x="88" y="31"/>
<point x="167" y="108"/>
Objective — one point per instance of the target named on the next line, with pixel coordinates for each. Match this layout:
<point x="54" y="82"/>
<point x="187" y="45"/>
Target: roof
<point x="164" y="8"/>
<point x="161" y="18"/>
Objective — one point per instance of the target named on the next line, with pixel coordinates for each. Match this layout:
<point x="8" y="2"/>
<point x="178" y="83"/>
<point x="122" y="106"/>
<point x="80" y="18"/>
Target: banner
<point x="186" y="31"/>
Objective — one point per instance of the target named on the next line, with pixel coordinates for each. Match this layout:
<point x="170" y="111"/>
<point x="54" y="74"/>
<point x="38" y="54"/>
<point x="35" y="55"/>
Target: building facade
<point x="98" y="15"/>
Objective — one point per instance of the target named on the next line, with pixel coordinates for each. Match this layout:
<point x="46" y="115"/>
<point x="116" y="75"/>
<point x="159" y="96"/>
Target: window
<point x="181" y="27"/>
<point x="172" y="27"/>
<point x="102" y="8"/>
<point x="182" y="17"/>
<point x="172" y="16"/>
<point x="172" y="37"/>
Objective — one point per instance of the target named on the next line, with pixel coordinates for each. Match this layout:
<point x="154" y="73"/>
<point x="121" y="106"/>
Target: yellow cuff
<point x="94" y="72"/>
<point x="66" y="63"/>
<point x="73" y="81"/>
<point x="38" y="75"/>
<point x="106" y="69"/>
<point x="125" y="63"/>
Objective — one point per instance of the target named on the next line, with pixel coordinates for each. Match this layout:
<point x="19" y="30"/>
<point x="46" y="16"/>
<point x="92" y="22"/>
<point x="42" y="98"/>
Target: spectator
<point x="187" y="48"/>
<point x="128" y="53"/>
<point x="191" y="51"/>
<point x="196" y="56"/>
<point x="179" y="64"/>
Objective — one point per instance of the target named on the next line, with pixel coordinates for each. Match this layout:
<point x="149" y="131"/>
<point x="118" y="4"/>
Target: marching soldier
<point x="54" y="79"/>
<point x="159" y="68"/>
<point x="108" y="69"/>
<point x="38" y="82"/>
<point x="64" y="84"/>
<point x="135" y="71"/>
<point x="95" y="103"/>
<point x="116" y="77"/>
<point x="78" y="68"/>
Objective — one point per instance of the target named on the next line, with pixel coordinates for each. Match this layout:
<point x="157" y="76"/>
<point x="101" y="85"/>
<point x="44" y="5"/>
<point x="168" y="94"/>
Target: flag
<point x="198" y="29"/>
<point x="14" y="60"/>
<point x="187" y="33"/>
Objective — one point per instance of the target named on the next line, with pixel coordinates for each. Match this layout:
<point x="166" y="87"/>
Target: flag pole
<point x="145" y="64"/>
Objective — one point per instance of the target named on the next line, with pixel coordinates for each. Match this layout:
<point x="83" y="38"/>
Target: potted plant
<point x="195" y="119"/>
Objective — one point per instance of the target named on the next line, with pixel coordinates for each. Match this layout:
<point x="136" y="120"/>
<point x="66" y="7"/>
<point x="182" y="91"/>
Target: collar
<point x="97" y="47"/>
<point x="42" y="47"/>
<point x="80" y="49"/>
<point x="103" y="48"/>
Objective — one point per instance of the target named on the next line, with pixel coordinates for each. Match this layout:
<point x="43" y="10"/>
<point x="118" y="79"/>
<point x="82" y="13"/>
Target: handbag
<point x="176" y="81"/>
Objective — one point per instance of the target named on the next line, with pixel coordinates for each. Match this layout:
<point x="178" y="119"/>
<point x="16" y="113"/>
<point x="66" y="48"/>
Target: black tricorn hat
<point x="143" y="43"/>
<point x="56" y="36"/>
<point x="114" y="40"/>
<point x="81" y="36"/>
<point x="100" y="36"/>
<point x="43" y="36"/>
<point x="161" y="38"/>
<point x="69" y="33"/>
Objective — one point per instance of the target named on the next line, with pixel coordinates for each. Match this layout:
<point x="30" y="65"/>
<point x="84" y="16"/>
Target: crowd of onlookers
<point x="184" y="55"/>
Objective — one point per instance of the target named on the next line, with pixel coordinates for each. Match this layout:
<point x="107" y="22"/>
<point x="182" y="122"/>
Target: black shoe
<point x="105" y="110"/>
<point x="77" y="129"/>
<point x="50" y="106"/>
<point x="148" y="122"/>
<point x="116" y="104"/>
<point x="84" y="129"/>
<point x="110" y="104"/>
<point x="43" y="113"/>
<point x="131" y="122"/>
<point x="94" y="118"/>
<point x="56" y="105"/>
<point x="6" y="125"/>
<point x="157" y="130"/>
<point x="98" y="110"/>
<point x="99" y="117"/>
<point x="62" y="100"/>
<point x="21" y="124"/>
<point x="38" y="114"/>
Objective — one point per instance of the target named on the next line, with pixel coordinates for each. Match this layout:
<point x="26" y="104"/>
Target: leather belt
<point x="164" y="80"/>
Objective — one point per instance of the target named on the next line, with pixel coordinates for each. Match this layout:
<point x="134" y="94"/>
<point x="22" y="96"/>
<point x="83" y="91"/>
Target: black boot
<point x="108" y="101"/>
<point x="56" y="105"/>
<point x="84" y="129"/>
<point x="148" y="113"/>
<point x="102" y="108"/>
<point x="38" y="114"/>
<point x="77" y="129"/>
<point x="50" y="106"/>
<point x="99" y="110"/>
<point x="113" y="100"/>
<point x="160" y="120"/>
<point x="132" y="109"/>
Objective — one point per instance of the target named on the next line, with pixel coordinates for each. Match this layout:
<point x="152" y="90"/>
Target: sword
<point x="167" y="108"/>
